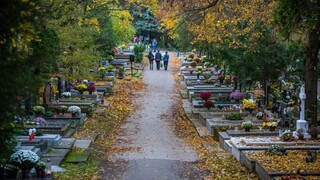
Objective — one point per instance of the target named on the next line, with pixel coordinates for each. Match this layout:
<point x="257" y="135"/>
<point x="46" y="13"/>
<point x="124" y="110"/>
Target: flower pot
<point x="41" y="174"/>
<point x="300" y="136"/>
<point x="25" y="173"/>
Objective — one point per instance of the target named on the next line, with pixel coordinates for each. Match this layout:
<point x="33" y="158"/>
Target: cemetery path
<point x="155" y="152"/>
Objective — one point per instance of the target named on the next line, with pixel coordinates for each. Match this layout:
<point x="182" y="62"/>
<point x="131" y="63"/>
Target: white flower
<point x="74" y="109"/>
<point x="24" y="159"/>
<point x="66" y="94"/>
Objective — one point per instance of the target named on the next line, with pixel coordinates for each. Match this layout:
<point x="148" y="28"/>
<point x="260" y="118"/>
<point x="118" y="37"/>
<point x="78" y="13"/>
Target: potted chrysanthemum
<point x="237" y="96"/>
<point x="25" y="160"/>
<point x="81" y="88"/>
<point x="249" y="105"/>
<point x="40" y="169"/>
<point x="247" y="125"/>
<point x="91" y="88"/>
<point x="74" y="110"/>
<point x="38" y="110"/>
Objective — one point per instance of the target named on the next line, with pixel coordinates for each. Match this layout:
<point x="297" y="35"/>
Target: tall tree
<point x="25" y="46"/>
<point x="298" y="18"/>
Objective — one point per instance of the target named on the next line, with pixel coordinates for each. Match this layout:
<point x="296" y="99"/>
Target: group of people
<point x="158" y="57"/>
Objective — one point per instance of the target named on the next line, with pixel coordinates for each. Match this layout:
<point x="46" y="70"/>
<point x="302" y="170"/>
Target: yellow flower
<point x="102" y="68"/>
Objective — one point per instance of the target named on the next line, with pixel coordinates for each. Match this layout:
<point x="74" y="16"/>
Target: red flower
<point x="205" y="95"/>
<point x="208" y="104"/>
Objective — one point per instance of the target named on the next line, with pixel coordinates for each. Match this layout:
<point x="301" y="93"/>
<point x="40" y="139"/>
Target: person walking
<point x="235" y="82"/>
<point x="165" y="60"/>
<point x="154" y="45"/>
<point x="151" y="58"/>
<point x="158" y="58"/>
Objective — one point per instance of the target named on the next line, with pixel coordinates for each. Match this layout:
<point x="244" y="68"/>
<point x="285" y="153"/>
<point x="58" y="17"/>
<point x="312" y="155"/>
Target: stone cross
<point x="302" y="123"/>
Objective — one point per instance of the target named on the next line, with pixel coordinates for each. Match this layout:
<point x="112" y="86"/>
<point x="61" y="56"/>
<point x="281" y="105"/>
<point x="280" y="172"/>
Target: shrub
<point x="138" y="52"/>
<point x="234" y="116"/>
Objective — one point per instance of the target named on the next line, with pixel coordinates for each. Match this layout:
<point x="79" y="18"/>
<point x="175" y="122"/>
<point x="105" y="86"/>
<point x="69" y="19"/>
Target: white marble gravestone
<point x="302" y="123"/>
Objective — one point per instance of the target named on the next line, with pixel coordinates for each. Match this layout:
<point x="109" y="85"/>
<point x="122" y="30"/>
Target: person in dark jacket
<point x="158" y="57"/>
<point x="151" y="58"/>
<point x="165" y="60"/>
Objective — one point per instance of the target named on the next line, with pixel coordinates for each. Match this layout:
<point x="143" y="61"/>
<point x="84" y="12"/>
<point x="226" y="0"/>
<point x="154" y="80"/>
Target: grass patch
<point x="77" y="157"/>
<point x="88" y="170"/>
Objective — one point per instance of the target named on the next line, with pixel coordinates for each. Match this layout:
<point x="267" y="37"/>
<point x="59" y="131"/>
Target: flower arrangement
<point x="197" y="59"/>
<point x="193" y="64"/>
<point x="110" y="67"/>
<point x="81" y="88"/>
<point x="272" y="124"/>
<point x="276" y="150"/>
<point x="68" y="88"/>
<point x="74" y="109"/>
<point x="259" y="115"/>
<point x="205" y="95"/>
<point x="102" y="68"/>
<point x="66" y="94"/>
<point x="287" y="136"/>
<point x="63" y="109"/>
<point x="24" y="159"/>
<point x="40" y="166"/>
<point x="191" y="56"/>
<point x="208" y="104"/>
<point x="258" y="93"/>
<point x="236" y="96"/>
<point x="39" y="109"/>
<point x="91" y="88"/>
<point x="39" y="120"/>
<point x="247" y="125"/>
<point x="249" y="105"/>
<point x="123" y="46"/>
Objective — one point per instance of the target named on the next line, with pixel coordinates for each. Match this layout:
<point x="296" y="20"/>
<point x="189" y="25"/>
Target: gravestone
<point x="302" y="123"/>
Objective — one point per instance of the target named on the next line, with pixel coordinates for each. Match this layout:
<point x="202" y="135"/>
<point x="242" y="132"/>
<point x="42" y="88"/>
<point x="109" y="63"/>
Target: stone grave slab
<point x="56" y="153"/>
<point x="100" y="111"/>
<point x="84" y="144"/>
<point x="240" y="144"/>
<point x="55" y="161"/>
<point x="57" y="169"/>
<point x="66" y="143"/>
<point x="104" y="105"/>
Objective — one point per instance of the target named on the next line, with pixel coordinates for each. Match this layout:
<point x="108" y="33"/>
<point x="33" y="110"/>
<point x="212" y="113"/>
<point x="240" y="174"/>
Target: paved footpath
<point x="157" y="153"/>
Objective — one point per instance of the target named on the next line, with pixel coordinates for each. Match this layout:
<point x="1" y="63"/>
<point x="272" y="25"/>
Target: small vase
<point x="247" y="129"/>
<point x="90" y="92"/>
<point x="73" y="115"/>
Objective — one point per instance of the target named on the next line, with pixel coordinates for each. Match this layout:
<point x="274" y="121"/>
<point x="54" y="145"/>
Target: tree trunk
<point x="311" y="81"/>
